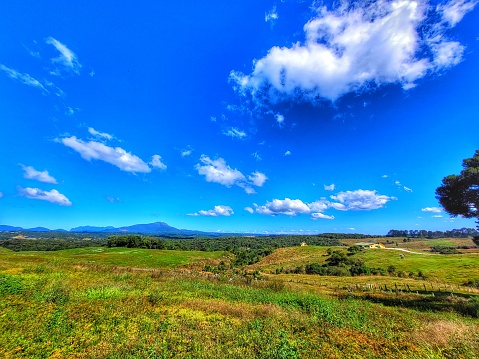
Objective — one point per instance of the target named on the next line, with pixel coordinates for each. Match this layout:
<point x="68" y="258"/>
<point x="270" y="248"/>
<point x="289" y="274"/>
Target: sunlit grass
<point x="84" y="304"/>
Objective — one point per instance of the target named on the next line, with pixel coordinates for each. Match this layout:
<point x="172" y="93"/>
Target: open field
<point x="131" y="303"/>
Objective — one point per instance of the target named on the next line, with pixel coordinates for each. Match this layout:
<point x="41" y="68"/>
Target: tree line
<point x="414" y="233"/>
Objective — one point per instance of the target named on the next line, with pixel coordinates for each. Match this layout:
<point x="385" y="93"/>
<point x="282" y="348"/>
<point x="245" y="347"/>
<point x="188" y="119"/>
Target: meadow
<point x="100" y="302"/>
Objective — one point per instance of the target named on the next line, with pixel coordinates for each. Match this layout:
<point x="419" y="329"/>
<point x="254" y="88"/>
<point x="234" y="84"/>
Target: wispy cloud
<point x="358" y="46"/>
<point x="288" y="153"/>
<point x="96" y="133"/>
<point x="112" y="199"/>
<point x="42" y="176"/>
<point x="235" y="133"/>
<point x="454" y="10"/>
<point x="432" y="209"/>
<point x="52" y="196"/>
<point x="23" y="78"/>
<point x="67" y="58"/>
<point x="257" y="156"/>
<point x="279" y="119"/>
<point x="186" y="152"/>
<point x="117" y="156"/>
<point x="247" y="209"/>
<point x="216" y="212"/>
<point x="218" y="171"/>
<point x="330" y="187"/>
<point x="271" y="16"/>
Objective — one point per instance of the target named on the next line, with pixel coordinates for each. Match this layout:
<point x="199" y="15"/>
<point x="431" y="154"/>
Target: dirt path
<point x="408" y="251"/>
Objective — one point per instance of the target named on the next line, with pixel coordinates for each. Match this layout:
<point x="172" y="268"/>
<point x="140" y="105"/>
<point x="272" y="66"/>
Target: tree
<point x="459" y="195"/>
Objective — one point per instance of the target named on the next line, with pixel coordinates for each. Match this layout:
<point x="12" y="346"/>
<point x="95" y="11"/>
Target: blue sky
<point x="251" y="116"/>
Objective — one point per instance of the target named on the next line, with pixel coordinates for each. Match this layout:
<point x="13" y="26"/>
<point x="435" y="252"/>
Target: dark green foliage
<point x="453" y="233"/>
<point x="19" y="245"/>
<point x="445" y="250"/>
<point x="459" y="194"/>
<point x="315" y="268"/>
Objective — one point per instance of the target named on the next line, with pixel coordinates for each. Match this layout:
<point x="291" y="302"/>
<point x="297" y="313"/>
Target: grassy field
<point x="130" y="303"/>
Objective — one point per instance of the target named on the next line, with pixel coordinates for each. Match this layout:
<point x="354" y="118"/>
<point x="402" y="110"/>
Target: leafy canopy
<point x="459" y="194"/>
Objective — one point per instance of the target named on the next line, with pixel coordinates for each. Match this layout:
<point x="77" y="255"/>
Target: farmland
<point x="100" y="302"/>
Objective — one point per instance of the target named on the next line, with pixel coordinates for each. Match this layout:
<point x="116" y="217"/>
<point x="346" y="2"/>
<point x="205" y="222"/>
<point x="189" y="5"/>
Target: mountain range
<point x="149" y="228"/>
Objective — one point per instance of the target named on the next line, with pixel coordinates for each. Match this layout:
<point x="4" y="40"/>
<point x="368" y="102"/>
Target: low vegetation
<point x="119" y="302"/>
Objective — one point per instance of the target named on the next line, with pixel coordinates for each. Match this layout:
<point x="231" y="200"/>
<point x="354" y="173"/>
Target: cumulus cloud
<point x="216" y="212"/>
<point x="235" y="133"/>
<point x="289" y="207"/>
<point x="257" y="179"/>
<point x="42" y="176"/>
<point x="359" y="200"/>
<point x="288" y="153"/>
<point x="67" y="58"/>
<point x="432" y="209"/>
<point x="96" y="133"/>
<point x="358" y="46"/>
<point x="156" y="162"/>
<point x="52" y="196"/>
<point x="25" y="79"/>
<point x="218" y="171"/>
<point x="117" y="156"/>
<point x="330" y="187"/>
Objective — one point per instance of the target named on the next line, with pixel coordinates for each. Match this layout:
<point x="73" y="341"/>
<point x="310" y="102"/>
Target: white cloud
<point x="247" y="209"/>
<point x="257" y="179"/>
<point x="216" y="212"/>
<point x="454" y="10"/>
<point x="67" y="58"/>
<point x="359" y="200"/>
<point x="407" y="189"/>
<point x="52" y="196"/>
<point x="289" y="207"/>
<point x="218" y="171"/>
<point x="257" y="156"/>
<point x="43" y="176"/>
<point x="319" y="206"/>
<point x="320" y="216"/>
<point x="437" y="216"/>
<point x="235" y="133"/>
<point x="94" y="132"/>
<point x="356" y="46"/>
<point x="384" y="176"/>
<point x="331" y="187"/>
<point x="288" y="153"/>
<point x="279" y="119"/>
<point x="117" y="156"/>
<point x="432" y="209"/>
<point x="271" y="16"/>
<point x="112" y="199"/>
<point x="23" y="78"/>
<point x="156" y="162"/>
<point x="186" y="152"/>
